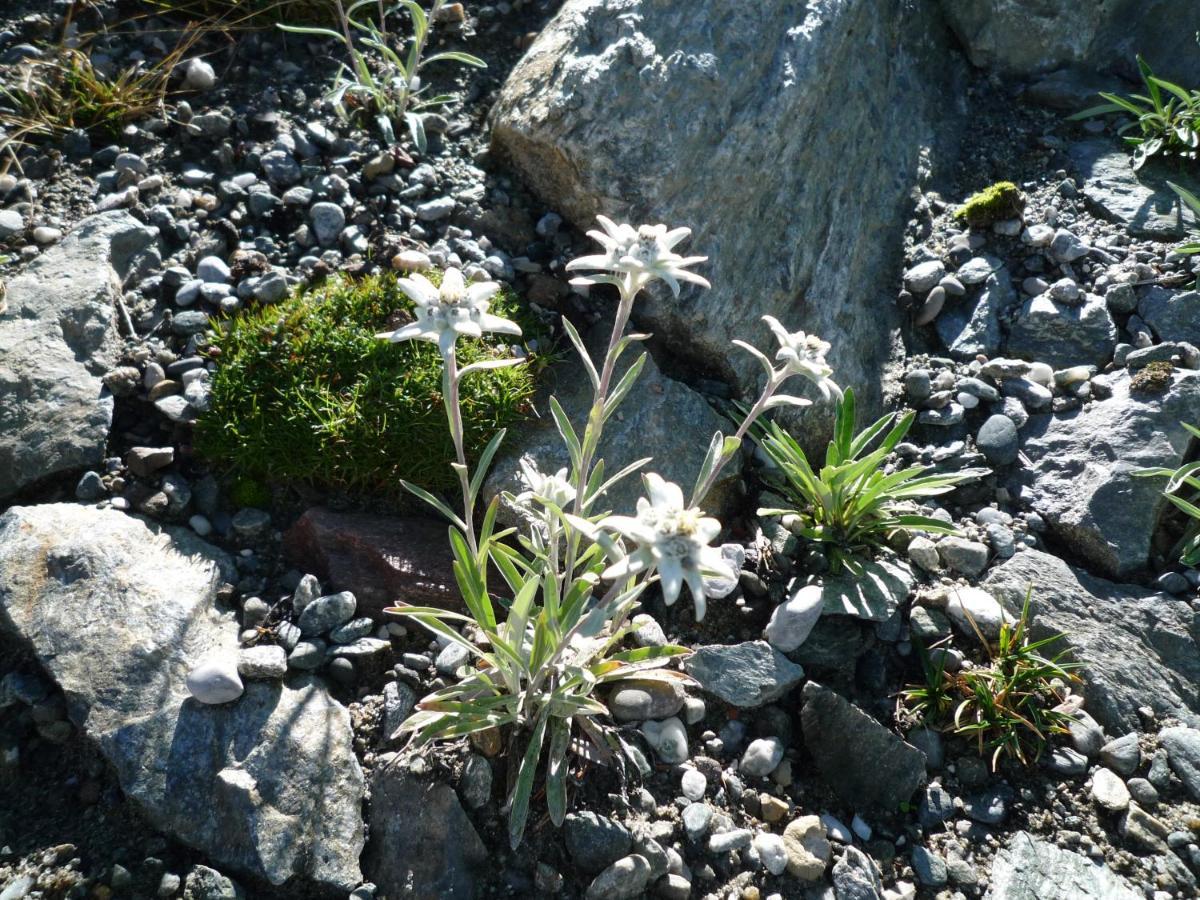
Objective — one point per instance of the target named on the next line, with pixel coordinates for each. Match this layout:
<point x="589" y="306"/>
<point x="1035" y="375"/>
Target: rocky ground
<point x="1032" y="349"/>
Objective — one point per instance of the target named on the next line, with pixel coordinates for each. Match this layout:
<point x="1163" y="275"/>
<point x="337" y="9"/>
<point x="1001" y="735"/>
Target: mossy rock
<point x="995" y="203"/>
<point x="305" y="393"/>
<point x="1153" y="378"/>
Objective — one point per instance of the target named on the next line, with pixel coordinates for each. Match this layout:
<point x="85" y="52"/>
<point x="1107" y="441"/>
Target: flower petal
<point x="419" y="289"/>
<point x="407" y="333"/>
<point x="498" y="324"/>
<point x="671" y="574"/>
<point x="453" y="285"/>
<point x="481" y="290"/>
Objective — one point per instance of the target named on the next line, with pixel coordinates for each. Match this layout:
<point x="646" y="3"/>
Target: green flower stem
<point x="756" y="410"/>
<point x="450" y="396"/>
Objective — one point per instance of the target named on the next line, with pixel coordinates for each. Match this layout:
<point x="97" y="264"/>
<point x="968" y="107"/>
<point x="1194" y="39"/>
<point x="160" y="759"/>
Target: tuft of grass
<point x="994" y="203"/>
<point x="1009" y="707"/>
<point x="1183" y="491"/>
<point x="305" y="393"/>
<point x="46" y="98"/>
<point x="250" y="13"/>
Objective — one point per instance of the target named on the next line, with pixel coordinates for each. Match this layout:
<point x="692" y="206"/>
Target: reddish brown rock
<point x="381" y="559"/>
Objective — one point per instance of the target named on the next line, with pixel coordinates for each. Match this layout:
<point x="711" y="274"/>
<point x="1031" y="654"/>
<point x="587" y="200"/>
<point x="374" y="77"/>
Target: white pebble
<point x="215" y="679"/>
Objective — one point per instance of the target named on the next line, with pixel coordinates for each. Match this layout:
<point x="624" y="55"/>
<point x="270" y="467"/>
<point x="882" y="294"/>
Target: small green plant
<point x="995" y="203"/>
<point x="1183" y="490"/>
<point x="304" y="394"/>
<point x="1192" y="202"/>
<point x="572" y="578"/>
<point x="377" y="83"/>
<point x="1009" y="707"/>
<point x="1167" y="118"/>
<point x="852" y="505"/>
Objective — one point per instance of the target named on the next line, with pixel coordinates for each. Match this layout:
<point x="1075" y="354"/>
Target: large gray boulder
<point x="117" y="611"/>
<point x="1081" y="480"/>
<point x="57" y="337"/>
<point x="1030" y="869"/>
<point x="788" y="135"/>
<point x="1139" y="648"/>
<point x="660" y="418"/>
<point x="1061" y="335"/>
<point x="1020" y="37"/>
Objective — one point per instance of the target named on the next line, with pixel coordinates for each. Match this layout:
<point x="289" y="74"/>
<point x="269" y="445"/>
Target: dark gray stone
<point x="594" y="841"/>
<point x="744" y="675"/>
<point x="868" y="765"/>
<point x="1061" y="335"/>
<point x="969" y="326"/>
<point x="1139" y="648"/>
<point x="422" y="843"/>
<point x="1172" y="315"/>
<point x="1183" y="754"/>
<point x="1141" y="200"/>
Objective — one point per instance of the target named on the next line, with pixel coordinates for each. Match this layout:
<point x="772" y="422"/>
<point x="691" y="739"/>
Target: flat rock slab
<point x="422" y="843"/>
<point x="380" y="559"/>
<point x="118" y="611"/>
<point x="1139" y="648"/>
<point x="868" y="765"/>
<point x="1081" y="480"/>
<point x="1029" y="869"/>
<point x="744" y="675"/>
<point x="873" y="594"/>
<point x="57" y="338"/>
<point x="670" y="112"/>
<point x="1141" y="200"/>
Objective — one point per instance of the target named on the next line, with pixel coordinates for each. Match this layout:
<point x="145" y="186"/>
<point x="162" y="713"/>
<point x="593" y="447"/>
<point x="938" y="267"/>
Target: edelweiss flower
<point x="671" y="538"/>
<point x="801" y="354"/>
<point x="639" y="255"/>
<point x="443" y="313"/>
<point x="555" y="489"/>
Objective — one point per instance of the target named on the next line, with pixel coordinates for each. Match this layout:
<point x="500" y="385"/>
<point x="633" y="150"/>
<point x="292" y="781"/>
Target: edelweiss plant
<point x="377" y="83"/>
<point x="851" y="505"/>
<point x="554" y="631"/>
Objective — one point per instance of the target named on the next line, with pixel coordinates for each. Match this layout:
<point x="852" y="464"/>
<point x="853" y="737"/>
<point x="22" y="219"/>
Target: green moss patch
<point x="995" y="203"/>
<point x="305" y="393"/>
<point x="1153" y="378"/>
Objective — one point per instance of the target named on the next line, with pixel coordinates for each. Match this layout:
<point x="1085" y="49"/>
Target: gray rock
<point x="971" y="327"/>
<point x="936" y="807"/>
<point x="762" y="757"/>
<point x="12" y="223"/>
<point x="1183" y="753"/>
<point x="793" y="620"/>
<point x="997" y="440"/>
<point x="215" y="679"/>
<point x="326" y="613"/>
<point x="432" y="849"/>
<point x="1083" y="464"/>
<point x="873" y="594"/>
<point x="661" y="418"/>
<point x="595" y="841"/>
<point x="930" y="868"/>
<point x="990" y="806"/>
<point x="856" y="877"/>
<point x="621" y="100"/>
<point x="867" y="764"/>
<point x="1172" y="315"/>
<point x="1062" y="335"/>
<point x="57" y="339"/>
<point x="204" y="883"/>
<point x="436" y="209"/>
<point x="743" y="675"/>
<point x="1109" y="791"/>
<point x="266" y="661"/>
<point x="118" y="611"/>
<point x="923" y="277"/>
<point x="1141" y="201"/>
<point x="1122" y="755"/>
<point x="636" y="701"/>
<point x="280" y="167"/>
<point x="328" y="220"/>
<point x="623" y="880"/>
<point x="1139" y="648"/>
<point x="1030" y="869"/>
<point x="962" y="555"/>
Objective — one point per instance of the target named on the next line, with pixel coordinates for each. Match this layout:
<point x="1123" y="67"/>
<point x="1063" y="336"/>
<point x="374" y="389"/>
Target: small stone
<point x="450" y="658"/>
<point x="1109" y="791"/>
<point x="90" y="487"/>
<point x="265" y="662"/>
<point x="773" y="809"/>
<point x="308" y="590"/>
<point x="624" y="879"/>
<point x="198" y="75"/>
<point x="696" y="818"/>
<point x="353" y="630"/>
<point x="762" y="757"/>
<point x="1142" y="791"/>
<point x="1122" y="755"/>
<point x="793" y="620"/>
<point x="307" y="655"/>
<point x="976" y="270"/>
<point x="998" y="441"/>
<point x="328" y="220"/>
<point x="964" y="556"/>
<point x="808" y="850"/>
<point x="693" y="784"/>
<point x="771" y="852"/>
<point x="668" y="739"/>
<point x="1086" y="734"/>
<point x="250" y="524"/>
<point x="434" y="210"/>
<point x="970" y="608"/>
<point x="326" y="613"/>
<point x="930" y="868"/>
<point x="215" y="680"/>
<point x="923" y="277"/>
<point x="637" y="701"/>
<point x="213" y="270"/>
<point x="411" y="261"/>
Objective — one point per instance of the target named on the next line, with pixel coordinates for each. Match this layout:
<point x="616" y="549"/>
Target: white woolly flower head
<point x="444" y="312"/>
<point x="798" y="354"/>
<point x="553" y="488"/>
<point x="637" y="256"/>
<point x="671" y="538"/>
